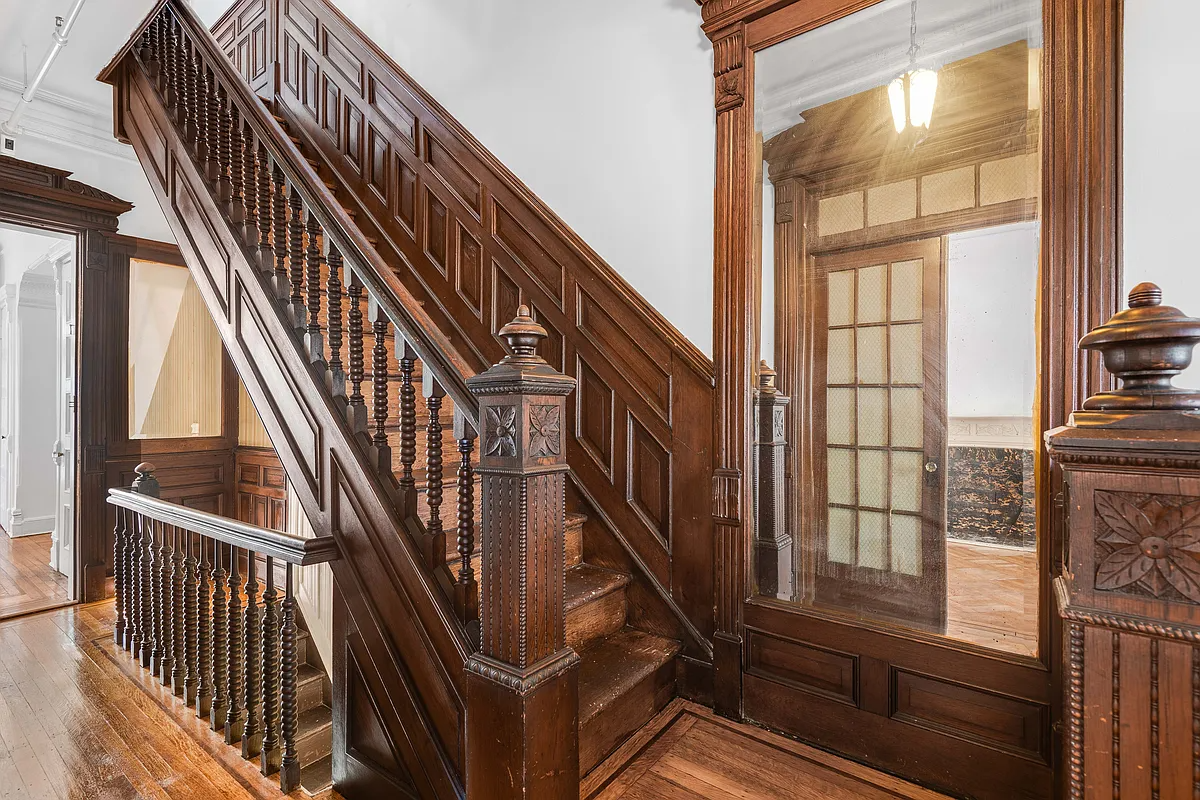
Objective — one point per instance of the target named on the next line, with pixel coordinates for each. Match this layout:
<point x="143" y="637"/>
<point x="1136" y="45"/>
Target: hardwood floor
<point x="27" y="583"/>
<point x="75" y="724"/>
<point x="689" y="753"/>
<point x="993" y="596"/>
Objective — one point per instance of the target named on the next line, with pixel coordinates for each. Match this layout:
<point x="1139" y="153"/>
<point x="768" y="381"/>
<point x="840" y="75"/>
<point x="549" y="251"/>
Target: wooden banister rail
<point x="178" y="587"/>
<point x="320" y="268"/>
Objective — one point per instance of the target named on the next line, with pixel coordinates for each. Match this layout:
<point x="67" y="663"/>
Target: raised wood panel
<point x="331" y="112"/>
<point x="648" y="486"/>
<point x="809" y="668"/>
<point x="261" y="488"/>
<point x="471" y="243"/>
<point x="204" y="242"/>
<point x="990" y="719"/>
<point x="303" y="434"/>
<point x="344" y="61"/>
<point x="150" y="135"/>
<point x="594" y="416"/>
<point x="243" y="33"/>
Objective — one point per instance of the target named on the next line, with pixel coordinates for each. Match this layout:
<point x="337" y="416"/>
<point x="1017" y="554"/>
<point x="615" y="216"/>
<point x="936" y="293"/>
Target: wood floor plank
<point x="27" y="583"/>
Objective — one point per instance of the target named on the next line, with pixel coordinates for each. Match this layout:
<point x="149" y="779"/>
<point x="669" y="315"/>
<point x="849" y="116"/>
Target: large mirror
<point x="899" y="251"/>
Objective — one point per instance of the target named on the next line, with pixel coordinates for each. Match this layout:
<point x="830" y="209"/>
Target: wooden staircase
<point x="314" y="723"/>
<point x="359" y="406"/>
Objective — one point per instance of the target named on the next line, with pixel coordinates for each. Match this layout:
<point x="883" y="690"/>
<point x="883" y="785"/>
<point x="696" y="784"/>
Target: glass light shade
<point x="922" y="89"/>
<point x="896" y="100"/>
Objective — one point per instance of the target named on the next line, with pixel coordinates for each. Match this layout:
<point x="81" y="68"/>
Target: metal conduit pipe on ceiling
<point x="62" y="29"/>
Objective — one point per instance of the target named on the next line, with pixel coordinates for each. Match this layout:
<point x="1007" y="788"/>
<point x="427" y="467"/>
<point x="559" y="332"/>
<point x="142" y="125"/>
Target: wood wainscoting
<point x="260" y="487"/>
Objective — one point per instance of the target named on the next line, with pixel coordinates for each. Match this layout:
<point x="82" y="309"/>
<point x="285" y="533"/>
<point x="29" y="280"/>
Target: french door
<point x="880" y="534"/>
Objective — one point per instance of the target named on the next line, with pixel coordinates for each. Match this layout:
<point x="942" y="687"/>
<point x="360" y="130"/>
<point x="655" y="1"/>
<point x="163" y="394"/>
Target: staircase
<point x="365" y="405"/>
<point x="314" y="733"/>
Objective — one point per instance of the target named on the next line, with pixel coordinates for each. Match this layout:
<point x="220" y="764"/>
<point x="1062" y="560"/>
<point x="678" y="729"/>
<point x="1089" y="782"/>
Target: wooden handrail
<point x="434" y="349"/>
<point x="283" y="546"/>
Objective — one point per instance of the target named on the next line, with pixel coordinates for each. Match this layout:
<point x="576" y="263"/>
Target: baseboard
<point x="30" y="526"/>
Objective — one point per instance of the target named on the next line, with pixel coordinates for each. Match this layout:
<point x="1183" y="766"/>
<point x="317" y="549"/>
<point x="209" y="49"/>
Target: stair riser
<point x="313" y="745"/>
<point x="601" y="734"/>
<point x="596" y="618"/>
<point x="310" y="694"/>
<point x="574" y="544"/>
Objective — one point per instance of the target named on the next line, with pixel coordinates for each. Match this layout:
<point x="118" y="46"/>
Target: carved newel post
<point x="1129" y="595"/>
<point x="772" y="543"/>
<point x="145" y="482"/>
<point x="523" y="685"/>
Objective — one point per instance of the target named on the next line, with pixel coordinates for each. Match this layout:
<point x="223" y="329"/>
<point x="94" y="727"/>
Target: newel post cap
<point x="1145" y="346"/>
<point x="522" y="371"/>
<point x="145" y="482"/>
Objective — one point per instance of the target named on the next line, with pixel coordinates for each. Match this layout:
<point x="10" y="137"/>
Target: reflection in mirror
<point x="899" y="221"/>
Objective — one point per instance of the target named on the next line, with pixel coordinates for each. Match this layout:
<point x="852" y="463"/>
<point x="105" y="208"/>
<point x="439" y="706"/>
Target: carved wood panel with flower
<point x="500" y="432"/>
<point x="1148" y="545"/>
<point x="545" y="431"/>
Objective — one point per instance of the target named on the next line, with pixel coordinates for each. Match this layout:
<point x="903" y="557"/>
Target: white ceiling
<point x="869" y="48"/>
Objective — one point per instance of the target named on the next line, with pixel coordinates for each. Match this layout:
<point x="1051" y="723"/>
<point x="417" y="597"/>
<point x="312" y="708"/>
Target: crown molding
<point x="66" y="121"/>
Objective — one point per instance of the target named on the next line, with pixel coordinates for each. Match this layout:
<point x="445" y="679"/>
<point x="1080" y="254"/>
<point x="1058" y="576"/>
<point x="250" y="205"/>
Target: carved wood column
<point x="523" y="686"/>
<point x="734" y="283"/>
<point x="1129" y="594"/>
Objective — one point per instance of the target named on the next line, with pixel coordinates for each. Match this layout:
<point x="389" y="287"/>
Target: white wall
<point x="991" y="322"/>
<point x="604" y="109"/>
<point x="36" y="421"/>
<point x="1161" y="160"/>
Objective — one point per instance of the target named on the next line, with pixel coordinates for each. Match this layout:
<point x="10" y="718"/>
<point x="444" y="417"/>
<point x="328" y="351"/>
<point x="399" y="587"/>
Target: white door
<point x="62" y="553"/>
<point x="5" y="402"/>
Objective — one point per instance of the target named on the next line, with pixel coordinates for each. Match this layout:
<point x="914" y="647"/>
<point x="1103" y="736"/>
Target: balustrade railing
<point x="321" y="269"/>
<point x="179" y="609"/>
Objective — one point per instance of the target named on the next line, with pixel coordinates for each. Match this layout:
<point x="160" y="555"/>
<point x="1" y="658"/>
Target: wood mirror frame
<point x="1079" y="283"/>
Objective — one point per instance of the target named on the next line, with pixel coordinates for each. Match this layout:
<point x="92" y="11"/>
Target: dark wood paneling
<point x="246" y="33"/>
<point x="471" y="243"/>
<point x="812" y="669"/>
<point x="260" y="488"/>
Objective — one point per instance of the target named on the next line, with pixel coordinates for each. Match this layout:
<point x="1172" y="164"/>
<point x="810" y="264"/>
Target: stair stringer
<point x="408" y="643"/>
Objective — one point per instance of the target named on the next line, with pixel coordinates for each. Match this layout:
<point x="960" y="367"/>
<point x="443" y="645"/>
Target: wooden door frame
<point x="1079" y="283"/>
<point x="45" y="198"/>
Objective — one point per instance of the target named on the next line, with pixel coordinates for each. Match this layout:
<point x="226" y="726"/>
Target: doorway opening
<point x="37" y="420"/>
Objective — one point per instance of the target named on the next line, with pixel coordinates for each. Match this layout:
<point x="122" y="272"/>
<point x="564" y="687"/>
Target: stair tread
<point x="317" y="776"/>
<point x="586" y="583"/>
<point x="307" y="672"/>
<point x="611" y="666"/>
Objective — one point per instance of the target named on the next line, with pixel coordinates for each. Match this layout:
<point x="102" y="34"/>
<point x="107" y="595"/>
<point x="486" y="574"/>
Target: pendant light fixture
<point x="912" y="93"/>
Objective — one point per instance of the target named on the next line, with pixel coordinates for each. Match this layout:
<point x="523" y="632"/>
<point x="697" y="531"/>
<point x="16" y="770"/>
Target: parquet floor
<point x="689" y="753"/>
<point x="73" y="725"/>
<point x="993" y="596"/>
<point x="27" y="583"/>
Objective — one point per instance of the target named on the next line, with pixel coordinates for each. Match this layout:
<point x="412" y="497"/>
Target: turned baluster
<point x="163" y="53"/>
<point x="191" y="621"/>
<point x="178" y="637"/>
<point x="295" y="235"/>
<point x="225" y="155"/>
<point x="185" y="111"/>
<point x="250" y="186"/>
<point x="379" y="388"/>
<point x="356" y="411"/>
<point x="234" y="720"/>
<point x="145" y="644"/>
<point x="313" y="340"/>
<point x="204" y="640"/>
<point x="162" y="604"/>
<point x="265" y="256"/>
<point x="289" y="768"/>
<point x="252" y="735"/>
<point x="269" y="755"/>
<point x="237" y="149"/>
<point x="146" y="47"/>
<point x="171" y="71"/>
<point x="119" y="580"/>
<point x="133" y="582"/>
<point x="466" y="589"/>
<point x="212" y="122"/>
<point x="279" y="214"/>
<point x="434" y="544"/>
<point x="141" y="566"/>
<point x="218" y="706"/>
<point x="333" y="293"/>
<point x="194" y="104"/>
<point x="407" y="359"/>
